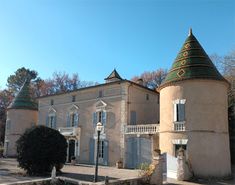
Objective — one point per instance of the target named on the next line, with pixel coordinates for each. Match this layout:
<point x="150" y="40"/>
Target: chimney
<point x="140" y="81"/>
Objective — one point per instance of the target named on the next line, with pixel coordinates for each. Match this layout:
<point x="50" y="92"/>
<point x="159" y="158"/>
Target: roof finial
<point x="190" y="32"/>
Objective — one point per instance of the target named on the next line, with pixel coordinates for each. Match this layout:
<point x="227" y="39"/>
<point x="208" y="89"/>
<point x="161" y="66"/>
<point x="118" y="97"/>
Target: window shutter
<point x="47" y="121"/>
<point x="76" y="119"/>
<point x="134" y="152"/>
<point x="68" y="120"/>
<point x="133" y="118"/>
<point x="94" y="119"/>
<point x="175" y="111"/>
<point x="104" y="115"/>
<point x="181" y="112"/>
<point x="106" y="152"/>
<point x="54" y="122"/>
<point x="91" y="150"/>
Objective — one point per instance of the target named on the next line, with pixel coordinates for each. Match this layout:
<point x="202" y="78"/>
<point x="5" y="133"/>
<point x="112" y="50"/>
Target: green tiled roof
<point x="23" y="99"/>
<point x="192" y="62"/>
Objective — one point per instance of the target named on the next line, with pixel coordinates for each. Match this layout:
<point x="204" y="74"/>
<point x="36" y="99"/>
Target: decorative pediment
<point x="73" y="108"/>
<point x="100" y="104"/>
<point x="51" y="110"/>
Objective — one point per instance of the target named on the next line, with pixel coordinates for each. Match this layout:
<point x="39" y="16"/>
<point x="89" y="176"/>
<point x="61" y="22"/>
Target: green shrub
<point x="39" y="149"/>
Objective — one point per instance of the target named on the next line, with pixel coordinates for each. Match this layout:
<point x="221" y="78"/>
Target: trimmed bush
<point x="39" y="149"/>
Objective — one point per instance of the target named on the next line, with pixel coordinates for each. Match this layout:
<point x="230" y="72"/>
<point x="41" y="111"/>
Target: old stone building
<point x="193" y="116"/>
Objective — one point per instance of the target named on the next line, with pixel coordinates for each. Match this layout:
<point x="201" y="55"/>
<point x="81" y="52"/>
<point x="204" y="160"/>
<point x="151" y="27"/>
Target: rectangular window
<point x="147" y="96"/>
<point x="51" y="121"/>
<point x="52" y="102"/>
<point x="100" y="116"/>
<point x="73" y="98"/>
<point x="133" y="118"/>
<point x="100" y="94"/>
<point x="179" y="146"/>
<point x="179" y="111"/>
<point x="72" y="120"/>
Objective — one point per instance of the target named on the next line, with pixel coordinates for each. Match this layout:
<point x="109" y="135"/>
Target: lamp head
<point x="99" y="126"/>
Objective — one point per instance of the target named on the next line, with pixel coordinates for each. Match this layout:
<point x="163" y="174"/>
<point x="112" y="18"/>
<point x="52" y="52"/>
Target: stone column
<point x="183" y="171"/>
<point x="156" y="177"/>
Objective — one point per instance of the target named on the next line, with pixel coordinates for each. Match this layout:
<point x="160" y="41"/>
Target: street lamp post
<point x="99" y="127"/>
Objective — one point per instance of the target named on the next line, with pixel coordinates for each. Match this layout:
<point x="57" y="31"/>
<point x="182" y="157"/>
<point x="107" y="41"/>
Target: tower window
<point x="179" y="110"/>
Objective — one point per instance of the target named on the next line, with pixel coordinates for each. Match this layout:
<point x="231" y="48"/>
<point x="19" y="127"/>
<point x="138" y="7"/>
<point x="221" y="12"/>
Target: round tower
<point x="193" y="112"/>
<point x="22" y="113"/>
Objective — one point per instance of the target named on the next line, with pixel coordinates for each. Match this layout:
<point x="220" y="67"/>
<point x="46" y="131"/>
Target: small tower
<point x="114" y="76"/>
<point x="22" y="113"/>
<point x="193" y="112"/>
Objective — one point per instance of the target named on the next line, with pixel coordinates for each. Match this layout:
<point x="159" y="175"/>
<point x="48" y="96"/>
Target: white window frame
<point x="51" y="117"/>
<point x="51" y="120"/>
<point x="175" y="113"/>
<point x="72" y="111"/>
<point x="179" y="125"/>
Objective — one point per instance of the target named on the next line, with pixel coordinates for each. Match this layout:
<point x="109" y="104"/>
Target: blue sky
<point x="92" y="37"/>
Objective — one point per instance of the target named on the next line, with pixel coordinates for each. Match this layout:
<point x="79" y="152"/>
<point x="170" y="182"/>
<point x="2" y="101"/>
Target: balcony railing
<point x="70" y="131"/>
<point x="180" y="126"/>
<point x="141" y="129"/>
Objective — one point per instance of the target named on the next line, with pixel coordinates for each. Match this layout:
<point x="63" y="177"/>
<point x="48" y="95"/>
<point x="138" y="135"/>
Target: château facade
<point x="188" y="110"/>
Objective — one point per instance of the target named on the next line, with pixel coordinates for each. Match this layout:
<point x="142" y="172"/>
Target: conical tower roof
<point x="192" y="62"/>
<point x="113" y="75"/>
<point x="23" y="99"/>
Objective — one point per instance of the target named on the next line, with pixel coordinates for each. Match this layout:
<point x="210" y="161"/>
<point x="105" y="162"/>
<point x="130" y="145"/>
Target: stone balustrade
<point x="180" y="126"/>
<point x="141" y="129"/>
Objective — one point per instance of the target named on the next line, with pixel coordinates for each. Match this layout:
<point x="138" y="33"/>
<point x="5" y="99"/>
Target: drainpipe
<point x="127" y="120"/>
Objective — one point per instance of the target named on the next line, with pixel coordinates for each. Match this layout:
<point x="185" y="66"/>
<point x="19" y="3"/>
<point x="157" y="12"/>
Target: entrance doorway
<point x="179" y="146"/>
<point x="139" y="150"/>
<point x="71" y="149"/>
